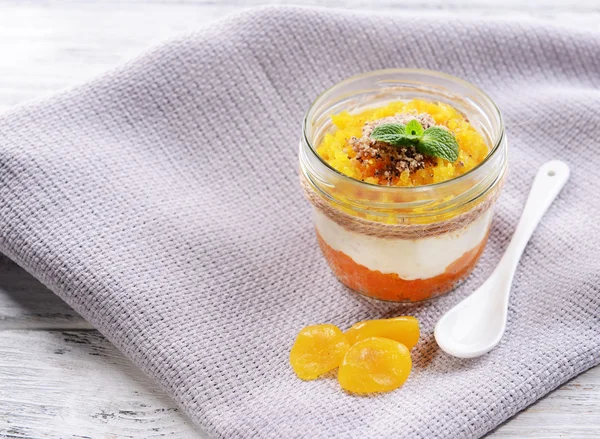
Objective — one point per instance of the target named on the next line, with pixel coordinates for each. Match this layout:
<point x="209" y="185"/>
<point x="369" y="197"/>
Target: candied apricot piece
<point x="373" y="365"/>
<point x="317" y="350"/>
<point x="404" y="329"/>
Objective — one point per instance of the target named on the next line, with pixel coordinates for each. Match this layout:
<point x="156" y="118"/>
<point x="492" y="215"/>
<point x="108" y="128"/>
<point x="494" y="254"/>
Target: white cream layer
<point x="408" y="258"/>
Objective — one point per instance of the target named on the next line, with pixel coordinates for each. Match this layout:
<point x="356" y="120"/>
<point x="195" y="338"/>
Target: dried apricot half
<point x="373" y="365"/>
<point x="317" y="350"/>
<point x="404" y="329"/>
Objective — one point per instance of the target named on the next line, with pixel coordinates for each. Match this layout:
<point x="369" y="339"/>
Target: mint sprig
<point x="439" y="143"/>
<point x="434" y="141"/>
<point x="392" y="133"/>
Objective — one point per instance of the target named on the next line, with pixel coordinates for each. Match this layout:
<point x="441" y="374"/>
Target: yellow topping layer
<point x="336" y="151"/>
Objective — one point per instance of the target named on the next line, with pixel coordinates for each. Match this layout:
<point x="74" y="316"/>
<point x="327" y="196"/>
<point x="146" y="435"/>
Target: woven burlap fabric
<point x="162" y="202"/>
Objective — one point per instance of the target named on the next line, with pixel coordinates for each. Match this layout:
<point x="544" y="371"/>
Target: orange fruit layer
<point x="389" y="286"/>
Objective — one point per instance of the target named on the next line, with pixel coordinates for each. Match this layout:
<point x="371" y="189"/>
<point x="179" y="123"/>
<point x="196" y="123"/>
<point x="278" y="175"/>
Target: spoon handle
<point x="549" y="180"/>
<point x="475" y="325"/>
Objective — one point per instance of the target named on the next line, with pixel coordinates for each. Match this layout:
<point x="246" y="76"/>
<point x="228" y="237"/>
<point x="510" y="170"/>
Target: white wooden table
<point x="59" y="378"/>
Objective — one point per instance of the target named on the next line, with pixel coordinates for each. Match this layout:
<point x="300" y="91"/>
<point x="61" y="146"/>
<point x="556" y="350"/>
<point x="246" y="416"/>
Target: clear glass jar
<point x="403" y="244"/>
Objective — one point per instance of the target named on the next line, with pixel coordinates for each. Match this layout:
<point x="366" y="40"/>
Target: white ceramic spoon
<point x="476" y="325"/>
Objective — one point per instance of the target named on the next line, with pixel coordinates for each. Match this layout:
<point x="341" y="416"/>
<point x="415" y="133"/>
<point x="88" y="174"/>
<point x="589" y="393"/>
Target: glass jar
<point x="402" y="244"/>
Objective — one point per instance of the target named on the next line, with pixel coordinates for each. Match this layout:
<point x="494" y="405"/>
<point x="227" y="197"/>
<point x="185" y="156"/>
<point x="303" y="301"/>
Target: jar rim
<point x="497" y="143"/>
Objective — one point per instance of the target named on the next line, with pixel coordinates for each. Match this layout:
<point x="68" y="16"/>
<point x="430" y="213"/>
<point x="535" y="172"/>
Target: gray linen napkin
<point x="161" y="201"/>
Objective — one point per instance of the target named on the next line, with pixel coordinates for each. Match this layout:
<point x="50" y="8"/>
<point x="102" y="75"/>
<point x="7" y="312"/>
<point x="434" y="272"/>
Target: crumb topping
<point x="395" y="159"/>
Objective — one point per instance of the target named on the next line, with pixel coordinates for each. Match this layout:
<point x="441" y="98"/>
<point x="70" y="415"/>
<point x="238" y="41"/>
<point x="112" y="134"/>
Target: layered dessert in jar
<point x="403" y="168"/>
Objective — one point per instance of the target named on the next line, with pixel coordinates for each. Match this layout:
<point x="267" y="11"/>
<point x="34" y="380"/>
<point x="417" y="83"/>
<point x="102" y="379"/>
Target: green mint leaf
<point x="438" y="142"/>
<point x="388" y="131"/>
<point x="398" y="139"/>
<point x="412" y="138"/>
<point x="394" y="134"/>
<point x="414" y="128"/>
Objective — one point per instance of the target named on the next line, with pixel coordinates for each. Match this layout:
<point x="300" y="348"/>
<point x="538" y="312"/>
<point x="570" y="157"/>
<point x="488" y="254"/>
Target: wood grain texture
<point x="571" y="411"/>
<point x="75" y="384"/>
<point x="59" y="379"/>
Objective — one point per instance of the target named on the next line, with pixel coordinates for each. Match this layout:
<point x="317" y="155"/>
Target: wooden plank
<point x="45" y="48"/>
<point x="68" y="385"/>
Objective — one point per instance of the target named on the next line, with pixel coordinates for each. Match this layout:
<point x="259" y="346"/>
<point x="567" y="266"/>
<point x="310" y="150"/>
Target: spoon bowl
<point x="476" y="325"/>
